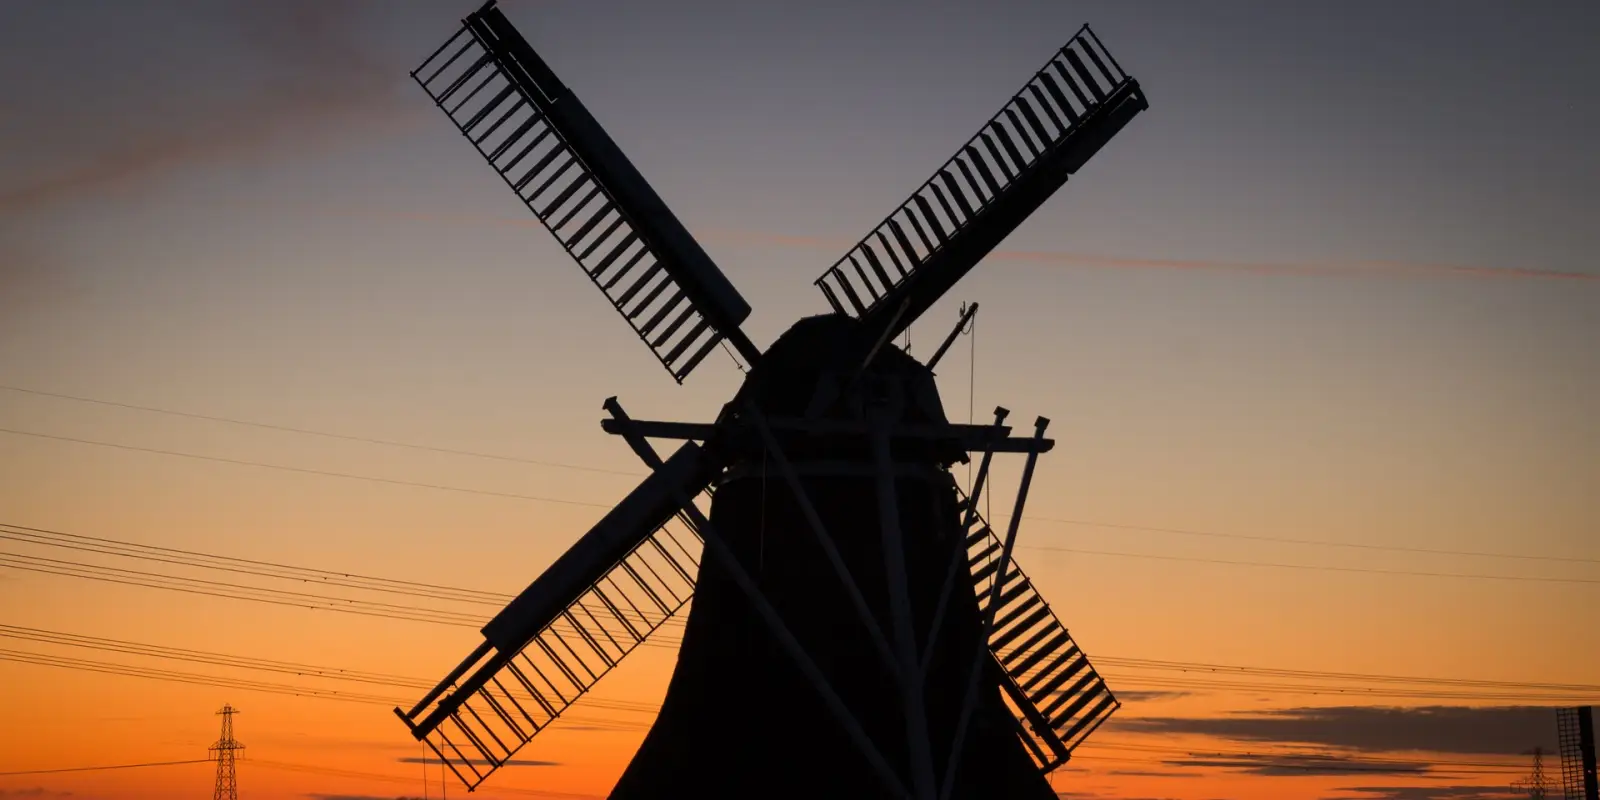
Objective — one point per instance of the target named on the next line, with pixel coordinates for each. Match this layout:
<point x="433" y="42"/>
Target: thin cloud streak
<point x="1430" y="792"/>
<point x="1351" y="269"/>
<point x="1354" y="269"/>
<point x="1464" y="730"/>
<point x="322" y="73"/>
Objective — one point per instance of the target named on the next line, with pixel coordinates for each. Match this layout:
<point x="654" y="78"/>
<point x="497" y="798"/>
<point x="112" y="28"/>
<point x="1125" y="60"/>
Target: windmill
<point x="858" y="627"/>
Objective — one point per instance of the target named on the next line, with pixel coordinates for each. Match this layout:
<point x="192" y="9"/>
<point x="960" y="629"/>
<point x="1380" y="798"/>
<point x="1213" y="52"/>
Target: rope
<point x="736" y="362"/>
<point x="972" y="377"/>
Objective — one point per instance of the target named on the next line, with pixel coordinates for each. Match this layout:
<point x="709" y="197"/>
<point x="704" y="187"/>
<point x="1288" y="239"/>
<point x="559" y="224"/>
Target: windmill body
<point x="738" y="713"/>
<point x="858" y="628"/>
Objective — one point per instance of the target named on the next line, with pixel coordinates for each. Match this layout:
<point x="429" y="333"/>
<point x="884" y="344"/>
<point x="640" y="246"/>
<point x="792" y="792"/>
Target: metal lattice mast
<point x="1536" y="784"/>
<point x="226" y="749"/>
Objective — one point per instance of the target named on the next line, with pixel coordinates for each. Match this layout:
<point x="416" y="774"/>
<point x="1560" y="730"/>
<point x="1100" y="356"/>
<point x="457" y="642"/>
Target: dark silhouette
<point x="859" y="629"/>
<point x="1575" y="738"/>
<point x="227" y="749"/>
<point x="738" y="711"/>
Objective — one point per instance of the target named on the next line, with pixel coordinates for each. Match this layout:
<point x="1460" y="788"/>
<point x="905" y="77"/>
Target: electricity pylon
<point x="226" y="748"/>
<point x="1536" y="784"/>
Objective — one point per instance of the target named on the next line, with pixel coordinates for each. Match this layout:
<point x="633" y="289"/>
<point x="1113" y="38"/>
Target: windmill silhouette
<point x="858" y="628"/>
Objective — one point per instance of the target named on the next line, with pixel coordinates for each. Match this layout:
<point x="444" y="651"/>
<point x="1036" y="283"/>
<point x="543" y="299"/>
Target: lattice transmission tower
<point x="1536" y="784"/>
<point x="227" y="749"/>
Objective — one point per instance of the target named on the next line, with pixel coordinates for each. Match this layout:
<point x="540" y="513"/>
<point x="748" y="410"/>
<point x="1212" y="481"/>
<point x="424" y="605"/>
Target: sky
<point x="1316" y="333"/>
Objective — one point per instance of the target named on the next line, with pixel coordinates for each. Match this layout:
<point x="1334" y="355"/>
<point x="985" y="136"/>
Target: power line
<point x="325" y="434"/>
<point x="113" y="766"/>
<point x="169" y="555"/>
<point x="1511" y="693"/>
<point x="1324" y="762"/>
<point x="1318" y="762"/>
<point x="348" y="605"/>
<point x="235" y="591"/>
<point x="1320" y="567"/>
<point x="515" y="459"/>
<point x="398" y="681"/>
<point x="304" y="470"/>
<point x="42" y="636"/>
<point x="335" y="772"/>
<point x="1311" y="542"/>
<point x="1279" y="672"/>
<point x="1161" y="557"/>
<point x="102" y="667"/>
<point x="174" y="676"/>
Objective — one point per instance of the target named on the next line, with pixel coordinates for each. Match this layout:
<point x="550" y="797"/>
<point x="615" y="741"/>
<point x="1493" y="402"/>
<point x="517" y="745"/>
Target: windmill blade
<point x="1061" y="118"/>
<point x="1053" y="691"/>
<point x="614" y="587"/>
<point x="539" y="137"/>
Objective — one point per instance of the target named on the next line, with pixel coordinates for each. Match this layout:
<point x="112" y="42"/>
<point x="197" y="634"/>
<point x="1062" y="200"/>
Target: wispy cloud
<point x="1424" y="792"/>
<point x="1497" y="730"/>
<point x="1302" y="765"/>
<point x="1153" y="773"/>
<point x="1149" y="696"/>
<point x="34" y="791"/>
<point x="1078" y="795"/>
<point x="319" y="70"/>
<point x="316" y="796"/>
<point x="304" y="740"/>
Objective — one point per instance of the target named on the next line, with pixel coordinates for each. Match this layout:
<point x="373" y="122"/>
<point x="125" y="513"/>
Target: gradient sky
<point x="1338" y="284"/>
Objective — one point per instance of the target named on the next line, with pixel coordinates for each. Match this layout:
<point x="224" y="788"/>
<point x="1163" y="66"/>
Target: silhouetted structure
<point x="226" y="749"/>
<point x="1536" y="783"/>
<point x="859" y="628"/>
<point x="1575" y="739"/>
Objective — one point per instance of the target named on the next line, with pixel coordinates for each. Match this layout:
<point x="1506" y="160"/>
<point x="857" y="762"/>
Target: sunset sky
<point x="1319" y="335"/>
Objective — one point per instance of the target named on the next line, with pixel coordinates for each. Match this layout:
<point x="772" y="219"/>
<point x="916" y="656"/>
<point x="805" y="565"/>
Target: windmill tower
<point x="1575" y="739"/>
<point x="859" y="628"/>
<point x="226" y="749"/>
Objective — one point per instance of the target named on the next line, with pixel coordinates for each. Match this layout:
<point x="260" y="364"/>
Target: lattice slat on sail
<point x="519" y="695"/>
<point x="1045" y="132"/>
<point x="536" y="134"/>
<point x="602" y="598"/>
<point x="1055" y="693"/>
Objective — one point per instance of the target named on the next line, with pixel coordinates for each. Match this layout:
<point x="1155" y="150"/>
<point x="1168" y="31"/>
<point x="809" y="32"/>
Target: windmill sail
<point x="1054" y="692"/>
<point x="565" y="168"/>
<point x="1061" y="118"/>
<point x="614" y="587"/>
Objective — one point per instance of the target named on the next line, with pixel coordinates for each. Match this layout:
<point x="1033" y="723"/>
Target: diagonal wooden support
<point x="905" y="635"/>
<point x="786" y="638"/>
<point x="988" y="624"/>
<point x="961" y="324"/>
<point x="820" y="531"/>
<point x="958" y="555"/>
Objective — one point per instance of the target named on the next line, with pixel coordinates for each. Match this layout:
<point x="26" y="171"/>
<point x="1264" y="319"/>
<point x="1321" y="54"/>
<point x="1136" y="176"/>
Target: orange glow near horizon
<point x="1317" y="334"/>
